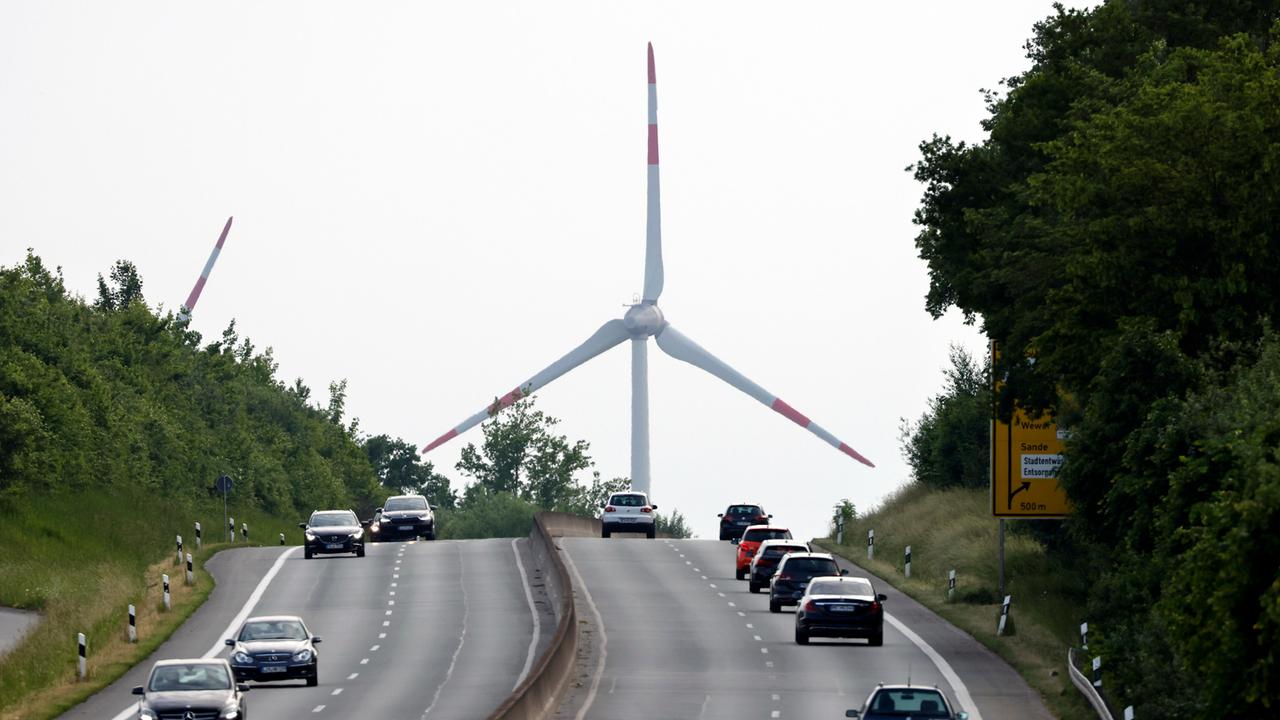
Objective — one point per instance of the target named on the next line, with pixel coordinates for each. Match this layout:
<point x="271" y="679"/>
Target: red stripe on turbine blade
<point x="855" y="455"/>
<point x="652" y="74"/>
<point x="195" y="293"/>
<point x="510" y="398"/>
<point x="440" y="441"/>
<point x="789" y="412"/>
<point x="653" y="144"/>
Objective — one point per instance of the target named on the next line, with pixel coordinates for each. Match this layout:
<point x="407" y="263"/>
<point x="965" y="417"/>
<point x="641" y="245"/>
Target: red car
<point x="750" y="542"/>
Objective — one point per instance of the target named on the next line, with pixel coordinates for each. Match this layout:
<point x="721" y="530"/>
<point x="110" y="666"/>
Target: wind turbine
<point x="184" y="313"/>
<point x="642" y="321"/>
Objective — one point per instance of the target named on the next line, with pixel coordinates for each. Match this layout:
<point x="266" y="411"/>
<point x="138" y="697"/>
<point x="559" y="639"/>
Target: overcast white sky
<point x="435" y="201"/>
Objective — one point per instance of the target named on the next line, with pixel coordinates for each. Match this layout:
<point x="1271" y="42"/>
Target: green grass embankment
<point x="80" y="560"/>
<point x="954" y="530"/>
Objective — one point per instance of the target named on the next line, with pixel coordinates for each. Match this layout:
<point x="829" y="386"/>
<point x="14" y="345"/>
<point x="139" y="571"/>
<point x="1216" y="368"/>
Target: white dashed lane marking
<point x="318" y="708"/>
<point x="364" y="661"/>
<point x="336" y="691"/>
<point x="374" y="648"/>
<point x="353" y="676"/>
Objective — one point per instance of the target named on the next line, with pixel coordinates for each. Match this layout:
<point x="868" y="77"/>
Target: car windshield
<point x="745" y="510"/>
<point x="762" y="534"/>
<point x="333" y="520"/>
<point x="628" y="500"/>
<point x="774" y="551"/>
<point x="204" y="676"/>
<point x="889" y="702"/>
<point x="273" y="630"/>
<point x="835" y="587"/>
<point x="812" y="566"/>
<point x="410" y="503"/>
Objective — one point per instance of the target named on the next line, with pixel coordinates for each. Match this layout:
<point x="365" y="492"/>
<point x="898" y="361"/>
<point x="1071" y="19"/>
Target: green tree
<point x="125" y="289"/>
<point x="947" y="446"/>
<point x="673" y="525"/>
<point x="400" y="470"/>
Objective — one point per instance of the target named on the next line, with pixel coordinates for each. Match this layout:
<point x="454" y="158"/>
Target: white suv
<point x="628" y="512"/>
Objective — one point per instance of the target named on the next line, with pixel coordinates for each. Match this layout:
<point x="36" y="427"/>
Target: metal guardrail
<point x="1086" y="688"/>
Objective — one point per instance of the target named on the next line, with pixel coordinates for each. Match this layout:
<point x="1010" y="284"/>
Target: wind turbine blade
<point x="680" y="347"/>
<point x="184" y="313"/>
<point x="609" y="334"/>
<point x="653" y="216"/>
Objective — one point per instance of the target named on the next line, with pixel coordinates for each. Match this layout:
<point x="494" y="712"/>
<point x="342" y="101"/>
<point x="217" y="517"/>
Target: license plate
<point x="842" y="608"/>
<point x="273" y="668"/>
<point x="627" y="519"/>
<point x="404" y="527"/>
<point x="334" y="546"/>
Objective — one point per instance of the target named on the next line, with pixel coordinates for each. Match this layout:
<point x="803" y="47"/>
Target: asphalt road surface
<point x="432" y="630"/>
<point x="674" y="635"/>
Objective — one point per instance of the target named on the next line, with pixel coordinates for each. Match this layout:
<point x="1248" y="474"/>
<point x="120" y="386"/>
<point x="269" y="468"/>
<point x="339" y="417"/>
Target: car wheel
<point x="314" y="680"/>
<point x="306" y="553"/>
<point x="774" y="606"/>
<point x="360" y="551"/>
<point x="651" y="533"/>
<point x="876" y="640"/>
<point x="802" y="637"/>
<point x="604" y="532"/>
<point x="431" y="534"/>
<point x="753" y="587"/>
<point x="739" y="574"/>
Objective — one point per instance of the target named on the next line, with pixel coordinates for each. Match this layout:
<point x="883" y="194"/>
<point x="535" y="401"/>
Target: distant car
<point x="628" y="512"/>
<point x="332" y="531"/>
<point x="750" y="542"/>
<point x="795" y="571"/>
<point x="765" y="561"/>
<point x="403" y="516"/>
<point x="844" y="607"/>
<point x="902" y="701"/>
<point x="275" y="647"/>
<point x="191" y="689"/>
<point x="737" y="518"/>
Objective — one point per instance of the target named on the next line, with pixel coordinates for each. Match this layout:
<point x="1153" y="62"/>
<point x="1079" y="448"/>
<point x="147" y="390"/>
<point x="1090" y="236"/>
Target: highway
<point x="433" y="630"/>
<point x="674" y="635"/>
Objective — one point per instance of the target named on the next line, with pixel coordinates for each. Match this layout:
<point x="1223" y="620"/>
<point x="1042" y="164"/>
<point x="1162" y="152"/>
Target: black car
<point x="403" y="516"/>
<point x="275" y="647"/>
<point x="737" y="518"/>
<point x="901" y="701"/>
<point x="844" y="607"/>
<point x="793" y="576"/>
<point x="333" y="531"/>
<point x="191" y="690"/>
<point x="766" y="559"/>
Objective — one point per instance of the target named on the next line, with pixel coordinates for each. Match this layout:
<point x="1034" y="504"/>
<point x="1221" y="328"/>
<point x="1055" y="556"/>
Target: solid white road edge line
<point x="604" y="639"/>
<point x="962" y="692"/>
<point x="249" y="604"/>
<point x="533" y="610"/>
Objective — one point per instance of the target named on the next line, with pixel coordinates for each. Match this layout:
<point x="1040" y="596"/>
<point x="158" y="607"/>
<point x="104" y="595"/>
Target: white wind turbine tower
<point x="643" y="321"/>
<point x="184" y="313"/>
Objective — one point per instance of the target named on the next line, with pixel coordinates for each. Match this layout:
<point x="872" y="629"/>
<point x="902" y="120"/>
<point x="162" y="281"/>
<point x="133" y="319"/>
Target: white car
<point x="629" y="512"/>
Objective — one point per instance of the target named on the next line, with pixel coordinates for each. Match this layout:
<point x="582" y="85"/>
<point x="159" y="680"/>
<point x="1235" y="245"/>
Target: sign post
<point x="223" y="486"/>
<point x="871" y="544"/>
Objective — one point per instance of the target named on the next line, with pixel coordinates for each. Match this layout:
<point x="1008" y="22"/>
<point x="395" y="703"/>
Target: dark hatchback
<point x="766" y="561"/>
<point x="737" y="518"/>
<point x="843" y="607"/>
<point x="793" y="576"/>
<point x="333" y="531"/>
<point x="275" y="647"/>
<point x="403" y="516"/>
<point x="191" y="690"/>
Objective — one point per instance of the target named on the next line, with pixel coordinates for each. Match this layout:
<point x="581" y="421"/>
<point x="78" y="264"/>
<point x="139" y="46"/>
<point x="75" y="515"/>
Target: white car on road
<point x="628" y="512"/>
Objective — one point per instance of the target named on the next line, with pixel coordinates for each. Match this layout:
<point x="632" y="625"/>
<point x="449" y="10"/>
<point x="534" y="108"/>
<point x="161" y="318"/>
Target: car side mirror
<point x="242" y="687"/>
<point x="315" y="639"/>
<point x="962" y="715"/>
<point x="769" y="516"/>
<point x="735" y="541"/>
<point x="653" y="505"/>
<point x="882" y="597"/>
<point x="366" y="523"/>
<point x="138" y="690"/>
<point x="230" y="642"/>
<point x="378" y="510"/>
<point x="719" y="514"/>
<point x="302" y="525"/>
<point x="844" y="572"/>
<point x="853" y="713"/>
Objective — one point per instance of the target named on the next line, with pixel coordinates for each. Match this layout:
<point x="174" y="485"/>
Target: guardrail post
<point x="244" y="531"/>
<point x="133" y="624"/>
<point x="871" y="544"/>
<point x="165" y="578"/>
<point x="1128" y="713"/>
<point x="951" y="585"/>
<point x="1097" y="672"/>
<point x="81" y="667"/>
<point x="231" y="529"/>
<point x="191" y="576"/>
<point x="1004" y="614"/>
<point x="1084" y="635"/>
<point x="840" y="529"/>
<point x="906" y="566"/>
<point x="179" y="550"/>
<point x="281" y="538"/>
<point x="197" y="536"/>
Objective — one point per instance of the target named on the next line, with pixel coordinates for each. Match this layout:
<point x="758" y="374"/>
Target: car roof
<point x="792" y="556"/>
<point x="844" y="578"/>
<point x="332" y="512"/>
<point x="192" y="661"/>
<point x="749" y="504"/>
<point x="766" y="527"/>
<point x="781" y="541"/>
<point x="410" y="495"/>
<point x="629" y="492"/>
<point x="274" y="618"/>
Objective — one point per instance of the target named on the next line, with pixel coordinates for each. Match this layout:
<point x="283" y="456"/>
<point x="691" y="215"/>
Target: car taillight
<point x="646" y="508"/>
<point x="810" y="607"/>
<point x="608" y="508"/>
<point x="784" y="576"/>
<point x="875" y="606"/>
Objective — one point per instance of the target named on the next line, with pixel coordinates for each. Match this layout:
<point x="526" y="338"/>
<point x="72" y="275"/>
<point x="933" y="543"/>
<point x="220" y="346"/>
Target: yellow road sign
<point x="1026" y="456"/>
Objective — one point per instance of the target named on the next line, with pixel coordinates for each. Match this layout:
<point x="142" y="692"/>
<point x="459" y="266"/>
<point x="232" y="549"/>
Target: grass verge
<point x="953" y="530"/>
<point x="80" y="560"/>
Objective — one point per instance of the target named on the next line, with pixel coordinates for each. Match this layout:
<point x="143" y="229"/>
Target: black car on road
<point x="794" y="573"/>
<point x="333" y="531"/>
<point x="191" y="690"/>
<point x="275" y="647"/>
<point x="843" y="607"/>
<point x="403" y="516"/>
<point x="765" y="561"/>
<point x="737" y="518"/>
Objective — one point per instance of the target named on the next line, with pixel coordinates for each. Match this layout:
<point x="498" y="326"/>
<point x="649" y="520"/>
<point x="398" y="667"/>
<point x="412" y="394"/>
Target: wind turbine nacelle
<point x="644" y="320"/>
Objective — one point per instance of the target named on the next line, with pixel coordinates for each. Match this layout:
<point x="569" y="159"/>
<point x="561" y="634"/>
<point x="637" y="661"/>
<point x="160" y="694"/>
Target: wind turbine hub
<point x="644" y="320"/>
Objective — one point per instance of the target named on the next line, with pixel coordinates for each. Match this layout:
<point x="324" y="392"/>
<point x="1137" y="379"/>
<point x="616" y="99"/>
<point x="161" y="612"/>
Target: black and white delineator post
<point x="244" y="531"/>
<point x="1097" y="672"/>
<point x="1004" y="614"/>
<point x="840" y="529"/>
<point x="191" y="575"/>
<point x="81" y="667"/>
<point x="197" y="536"/>
<point x="231" y="529"/>
<point x="281" y="538"/>
<point x="165" y="578"/>
<point x="871" y="544"/>
<point x="906" y="561"/>
<point x="133" y="624"/>
<point x="179" y="549"/>
<point x="1128" y="713"/>
<point x="1084" y="635"/>
<point x="951" y="585"/>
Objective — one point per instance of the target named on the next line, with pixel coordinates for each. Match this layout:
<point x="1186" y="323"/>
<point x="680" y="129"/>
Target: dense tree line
<point x="1116" y="232"/>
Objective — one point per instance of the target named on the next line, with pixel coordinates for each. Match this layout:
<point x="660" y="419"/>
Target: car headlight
<point x="231" y="712"/>
<point x="242" y="658"/>
<point x="146" y="714"/>
<point x="302" y="656"/>
<point x="309" y="535"/>
<point x="356" y="535"/>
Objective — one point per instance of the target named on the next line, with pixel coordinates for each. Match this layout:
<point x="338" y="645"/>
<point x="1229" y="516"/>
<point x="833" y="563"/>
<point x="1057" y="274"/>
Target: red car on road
<point x="750" y="542"/>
